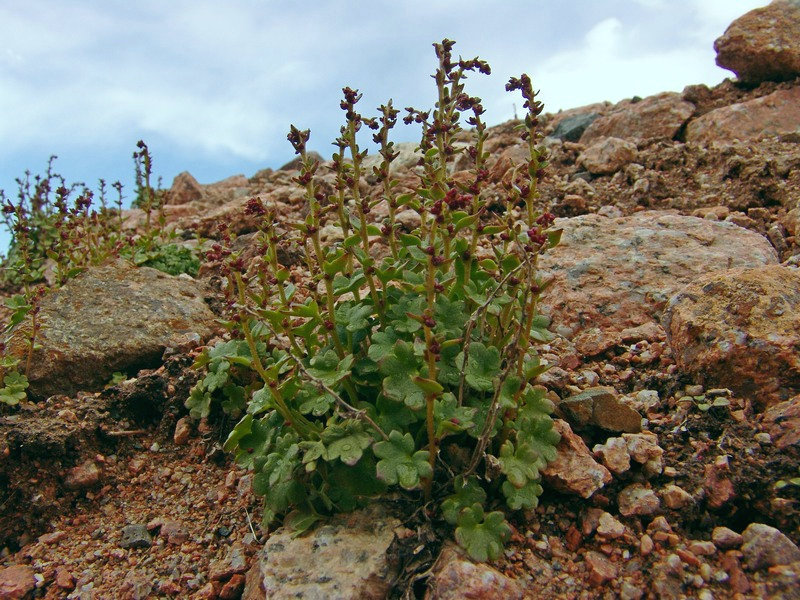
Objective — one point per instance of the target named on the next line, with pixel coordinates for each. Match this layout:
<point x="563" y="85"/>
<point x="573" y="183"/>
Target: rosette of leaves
<point x="410" y="359"/>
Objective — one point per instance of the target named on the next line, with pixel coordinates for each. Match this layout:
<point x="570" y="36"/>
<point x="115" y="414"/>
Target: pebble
<point x="135" y="536"/>
<point x="646" y="545"/>
<point x="765" y="546"/>
<point x="609" y="528"/>
<point x="763" y="438"/>
<point x="725" y="538"/>
<point x="675" y="497"/>
<point x="600" y="568"/>
<point x="703" y="548"/>
<point x="636" y="499"/>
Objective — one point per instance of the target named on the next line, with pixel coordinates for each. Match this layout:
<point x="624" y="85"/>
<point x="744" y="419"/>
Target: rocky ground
<point x="676" y="375"/>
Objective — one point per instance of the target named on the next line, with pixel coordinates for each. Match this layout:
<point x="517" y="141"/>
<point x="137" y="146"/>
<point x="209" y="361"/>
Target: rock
<point x="607" y="156"/>
<point x="609" y="528"/>
<point x="235" y="562"/>
<point x="456" y="577"/>
<point x="637" y="499"/>
<point x="408" y="158"/>
<point x="232" y="590"/>
<point x="717" y="483"/>
<point x="613" y="455"/>
<point x="736" y="578"/>
<point x="773" y="115"/>
<point x="599" y="406"/>
<point x="174" y="532"/>
<point x="115" y="317"/>
<point x="16" y="582"/>
<point x="676" y="497"/>
<point x="740" y="329"/>
<point x="613" y="274"/>
<point x="699" y="548"/>
<point x="782" y="423"/>
<point x="667" y="580"/>
<point x="184" y="189"/>
<point x="783" y="583"/>
<point x="183" y="429"/>
<point x="344" y="558"/>
<point x="763" y="44"/>
<point x="765" y="546"/>
<point x="135" y="536"/>
<point x="661" y="117"/>
<point x="296" y="162"/>
<point x="570" y="129"/>
<point x="725" y="538"/>
<point x="600" y="568"/>
<point x="85" y="475"/>
<point x="574" y="470"/>
<point x="644" y="449"/>
<point x="64" y="579"/>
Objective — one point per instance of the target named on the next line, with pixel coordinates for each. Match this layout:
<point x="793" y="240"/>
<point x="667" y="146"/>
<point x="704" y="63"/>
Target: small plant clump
<point x="57" y="232"/>
<point x="409" y="360"/>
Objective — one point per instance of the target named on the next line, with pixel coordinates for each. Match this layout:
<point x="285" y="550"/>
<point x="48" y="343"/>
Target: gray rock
<point x="135" y="536"/>
<point x="765" y="546"/>
<point x="571" y="129"/>
<point x="115" y="317"/>
<point x="345" y="558"/>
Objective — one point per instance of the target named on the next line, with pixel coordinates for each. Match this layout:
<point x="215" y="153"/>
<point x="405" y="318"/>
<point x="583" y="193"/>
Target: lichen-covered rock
<point x="775" y="114"/>
<point x="612" y="274"/>
<point x="740" y="329"/>
<point x="344" y="558"/>
<point x="660" y="117"/>
<point x="110" y="318"/>
<point x="607" y="155"/>
<point x="763" y="44"/>
<point x="456" y="577"/>
<point x="574" y="470"/>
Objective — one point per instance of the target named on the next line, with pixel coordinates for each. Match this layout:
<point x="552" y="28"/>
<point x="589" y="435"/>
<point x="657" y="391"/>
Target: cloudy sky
<point x="213" y="86"/>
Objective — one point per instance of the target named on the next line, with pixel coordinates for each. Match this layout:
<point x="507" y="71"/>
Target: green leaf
<point x="400" y="463"/>
<point x="252" y="439"/>
<point x="450" y="316"/>
<point x="13" y="390"/>
<point x="554" y="237"/>
<point x="261" y="401"/>
<point x="198" y="402"/>
<point x="482" y="537"/>
<point x="429" y="386"/>
<point x="328" y="368"/>
<point x="467" y="493"/>
<point x="451" y="418"/>
<point x="314" y="402"/>
<point x="483" y="365"/>
<point x="526" y="496"/>
<point x="519" y="465"/>
<point x="394" y="415"/>
<point x="301" y="520"/>
<point x="382" y="344"/>
<point x="539" y="331"/>
<point x="346" y="441"/>
<point x="354" y="317"/>
<point x="400" y="367"/>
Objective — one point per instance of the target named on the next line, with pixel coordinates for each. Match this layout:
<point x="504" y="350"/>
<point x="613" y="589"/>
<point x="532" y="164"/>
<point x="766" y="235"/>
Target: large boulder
<point x="740" y="329"/>
<point x="775" y="114"/>
<point x="607" y="155"/>
<point x="184" y="189"/>
<point x="346" y="558"/>
<point x="614" y="274"/>
<point x="660" y="117"/>
<point x="115" y="317"/>
<point x="763" y="44"/>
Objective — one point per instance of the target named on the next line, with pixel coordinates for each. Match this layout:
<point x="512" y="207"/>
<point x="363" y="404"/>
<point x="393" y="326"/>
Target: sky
<point x="212" y="87"/>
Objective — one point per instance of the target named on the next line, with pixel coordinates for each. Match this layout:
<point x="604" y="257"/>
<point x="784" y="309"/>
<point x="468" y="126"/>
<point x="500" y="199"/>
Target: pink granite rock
<point x="660" y="116"/>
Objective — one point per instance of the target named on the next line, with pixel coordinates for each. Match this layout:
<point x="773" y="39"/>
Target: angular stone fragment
<point x="344" y="558"/>
<point x="765" y="546"/>
<point x="599" y="406"/>
<point x="725" y="538"/>
<point x="574" y="470"/>
<point x="184" y="189"/>
<point x="135" y="536"/>
<point x="455" y="577"/>
<point x="16" y="582"/>
<point x="782" y="423"/>
<point x="614" y="455"/>
<point x="85" y="475"/>
<point x="637" y="499"/>
<point x="607" y="156"/>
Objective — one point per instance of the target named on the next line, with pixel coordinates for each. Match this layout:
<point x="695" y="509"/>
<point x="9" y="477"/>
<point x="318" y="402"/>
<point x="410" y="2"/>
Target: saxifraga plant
<point x="410" y="359"/>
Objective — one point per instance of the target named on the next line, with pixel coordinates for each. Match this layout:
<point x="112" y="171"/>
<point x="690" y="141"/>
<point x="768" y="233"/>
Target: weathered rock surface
<point x="775" y="114"/>
<point x="765" y="546"/>
<point x="740" y="329"/>
<point x="637" y="499"/>
<point x="763" y="44"/>
<point x="345" y="558"/>
<point x="600" y="407"/>
<point x="660" y="116"/>
<point x="16" y="582"/>
<point x="574" y="470"/>
<point x="607" y="155"/>
<point x="455" y="577"/>
<point x="111" y="318"/>
<point x="613" y="274"/>
<point x="570" y="129"/>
